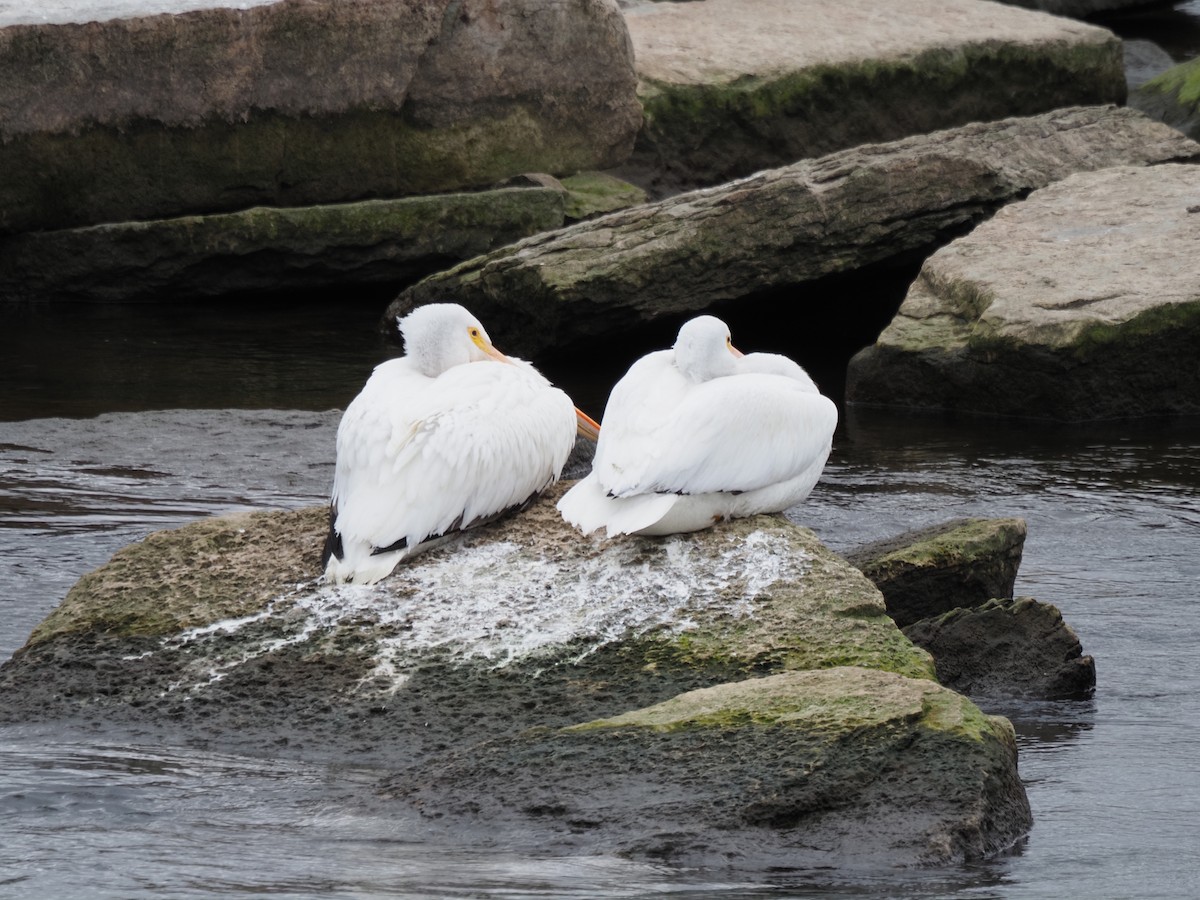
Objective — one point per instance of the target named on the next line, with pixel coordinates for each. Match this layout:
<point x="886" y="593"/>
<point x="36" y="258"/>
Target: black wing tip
<point x="333" y="541"/>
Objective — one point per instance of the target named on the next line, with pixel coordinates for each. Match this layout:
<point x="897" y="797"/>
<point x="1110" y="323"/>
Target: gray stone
<point x="730" y="87"/>
<point x="1081" y="302"/>
<point x="271" y="248"/>
<point x="302" y="103"/>
<point x="1007" y="648"/>
<point x="1144" y="61"/>
<point x="797" y="770"/>
<point x="781" y="227"/>
<point x="961" y="563"/>
<point x="1172" y="97"/>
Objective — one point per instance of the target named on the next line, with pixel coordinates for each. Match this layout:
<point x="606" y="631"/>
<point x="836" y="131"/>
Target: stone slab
<point x="1081" y="302"/>
<point x="300" y="103"/>
<point x="271" y="249"/>
<point x="733" y="86"/>
<point x="781" y="227"/>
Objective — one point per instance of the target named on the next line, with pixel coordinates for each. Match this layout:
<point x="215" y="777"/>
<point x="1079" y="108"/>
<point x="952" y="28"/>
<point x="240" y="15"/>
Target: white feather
<point x="421" y="455"/>
<point x="696" y="434"/>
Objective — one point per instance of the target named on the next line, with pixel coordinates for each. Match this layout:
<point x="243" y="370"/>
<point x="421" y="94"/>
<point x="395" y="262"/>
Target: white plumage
<point x="446" y="437"/>
<point x="701" y="433"/>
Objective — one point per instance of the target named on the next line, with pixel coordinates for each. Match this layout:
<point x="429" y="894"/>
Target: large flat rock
<point x="520" y="668"/>
<point x="782" y="227"/>
<point x="300" y="103"/>
<point x="1081" y="302"/>
<point x="272" y="249"/>
<point x="733" y="86"/>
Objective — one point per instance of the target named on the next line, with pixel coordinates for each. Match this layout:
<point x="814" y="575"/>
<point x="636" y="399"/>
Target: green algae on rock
<point x="1173" y="97"/>
<point x="1086" y="307"/>
<point x="842" y="213"/>
<point x="736" y="696"/>
<point x="272" y="248"/>
<point x="295" y="104"/>
<point x="960" y="563"/>
<point x="832" y="767"/>
<point x="729" y="88"/>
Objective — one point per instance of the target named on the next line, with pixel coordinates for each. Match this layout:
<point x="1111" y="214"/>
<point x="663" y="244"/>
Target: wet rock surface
<point x="1007" y="648"/>
<point x="272" y="249"/>
<point x="525" y="655"/>
<point x="1173" y="97"/>
<point x="1081" y="302"/>
<point x="733" y="86"/>
<point x="842" y="766"/>
<point x="950" y="589"/>
<point x="781" y="227"/>
<point x="960" y="563"/>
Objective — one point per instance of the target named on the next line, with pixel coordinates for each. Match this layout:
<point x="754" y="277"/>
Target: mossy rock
<point x="832" y="767"/>
<point x="960" y="563"/>
<point x="735" y="696"/>
<point x="272" y="249"/>
<point x="526" y="607"/>
<point x="1078" y="303"/>
<point x="1173" y="97"/>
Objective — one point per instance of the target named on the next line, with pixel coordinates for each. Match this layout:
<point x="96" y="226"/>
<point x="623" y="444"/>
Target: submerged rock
<point x="961" y="563"/>
<point x="220" y="628"/>
<point x="1007" y="648"/>
<point x="1081" y="302"/>
<point x="782" y="227"/>
<point x="733" y="86"/>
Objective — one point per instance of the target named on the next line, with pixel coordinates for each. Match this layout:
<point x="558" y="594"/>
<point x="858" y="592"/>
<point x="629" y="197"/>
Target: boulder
<point x="781" y="227"/>
<point x="1081" y="302"/>
<point x="798" y="770"/>
<point x="522" y="654"/>
<point x="1172" y="97"/>
<point x="273" y="249"/>
<point x="733" y="86"/>
<point x="304" y="102"/>
<point x="1007" y="648"/>
<point x="1144" y="61"/>
<point x="930" y="571"/>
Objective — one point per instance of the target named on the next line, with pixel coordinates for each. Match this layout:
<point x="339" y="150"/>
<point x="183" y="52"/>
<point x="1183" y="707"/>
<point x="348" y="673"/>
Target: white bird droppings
<point x="499" y="602"/>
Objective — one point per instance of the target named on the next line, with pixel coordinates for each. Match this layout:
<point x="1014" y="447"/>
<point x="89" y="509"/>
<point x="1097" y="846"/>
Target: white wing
<point x="419" y="455"/>
<point x="775" y="364"/>
<point x="636" y="408"/>
<point x="737" y="433"/>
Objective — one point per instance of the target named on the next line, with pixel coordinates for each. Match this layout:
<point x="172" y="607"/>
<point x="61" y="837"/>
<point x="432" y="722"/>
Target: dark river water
<point x="118" y="421"/>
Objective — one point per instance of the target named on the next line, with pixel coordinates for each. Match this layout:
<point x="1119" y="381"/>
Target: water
<point x="187" y="413"/>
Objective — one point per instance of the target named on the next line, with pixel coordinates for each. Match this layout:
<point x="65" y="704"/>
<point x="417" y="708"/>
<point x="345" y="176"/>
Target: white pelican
<point x="701" y="433"/>
<point x="450" y="435"/>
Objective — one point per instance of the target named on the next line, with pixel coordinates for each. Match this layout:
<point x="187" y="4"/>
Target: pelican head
<point x="440" y="336"/>
<point x="704" y="349"/>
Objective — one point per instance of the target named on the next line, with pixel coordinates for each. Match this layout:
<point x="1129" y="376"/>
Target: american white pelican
<point x="448" y="436"/>
<point x="701" y="433"/>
